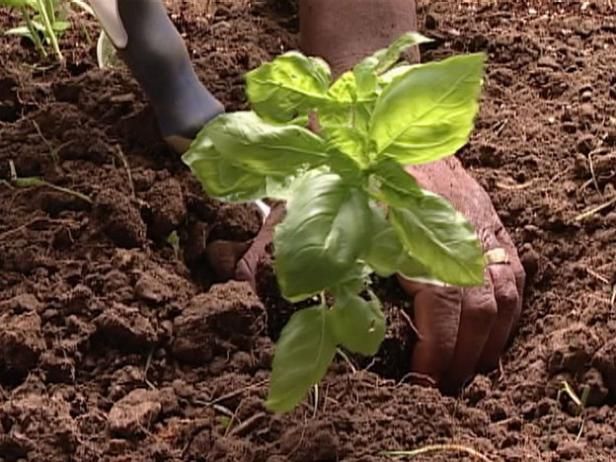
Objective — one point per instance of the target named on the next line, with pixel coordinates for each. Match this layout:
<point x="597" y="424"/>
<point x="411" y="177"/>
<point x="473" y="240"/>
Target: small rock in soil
<point x="57" y="368"/>
<point x="22" y="303"/>
<point x="569" y="127"/>
<point x="587" y="111"/>
<point x="530" y="260"/>
<point x="571" y="349"/>
<point x="125" y="328"/>
<point x="322" y="444"/>
<point x="150" y="289"/>
<point x="478" y="389"/>
<point x="21" y="343"/>
<point x="585" y="144"/>
<point x="228" y="317"/>
<point x="598" y="390"/>
<point x="125" y="380"/>
<point x="237" y="222"/>
<point x="143" y="179"/>
<point x="120" y="219"/>
<point x="167" y="209"/>
<point x="432" y="21"/>
<point x="41" y="426"/>
<point x="549" y="62"/>
<point x="135" y="412"/>
<point x="231" y="450"/>
<point x="78" y="300"/>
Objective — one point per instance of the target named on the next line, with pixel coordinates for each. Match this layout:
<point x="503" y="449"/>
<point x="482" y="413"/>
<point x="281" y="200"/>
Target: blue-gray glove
<point x="154" y="51"/>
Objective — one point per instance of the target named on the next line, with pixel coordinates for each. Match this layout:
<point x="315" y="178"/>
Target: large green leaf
<point x="247" y="141"/>
<point x="219" y="177"/>
<point x="428" y="112"/>
<point x="386" y="255"/>
<point x="358" y="325"/>
<point x="303" y="353"/>
<point x="326" y="227"/>
<point x="289" y="86"/>
<point x="430" y="229"/>
<point x="366" y="72"/>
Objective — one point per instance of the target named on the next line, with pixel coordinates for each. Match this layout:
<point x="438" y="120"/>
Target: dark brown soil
<point x="116" y="345"/>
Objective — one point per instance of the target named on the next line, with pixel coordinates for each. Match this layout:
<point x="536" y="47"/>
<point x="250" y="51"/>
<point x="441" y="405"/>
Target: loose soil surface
<point x="119" y="345"/>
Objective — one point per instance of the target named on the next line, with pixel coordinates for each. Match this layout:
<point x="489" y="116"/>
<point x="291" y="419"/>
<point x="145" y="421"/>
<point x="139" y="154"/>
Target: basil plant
<point x="352" y="209"/>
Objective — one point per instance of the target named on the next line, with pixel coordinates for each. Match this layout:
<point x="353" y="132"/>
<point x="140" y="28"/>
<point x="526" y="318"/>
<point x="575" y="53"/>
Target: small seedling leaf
<point x="358" y="324"/>
<point x="288" y="86"/>
<point x="303" y="353"/>
<point x="367" y="72"/>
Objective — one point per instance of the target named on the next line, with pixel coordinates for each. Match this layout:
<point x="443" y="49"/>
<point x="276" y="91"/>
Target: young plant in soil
<point x="43" y="21"/>
<point x="352" y="209"/>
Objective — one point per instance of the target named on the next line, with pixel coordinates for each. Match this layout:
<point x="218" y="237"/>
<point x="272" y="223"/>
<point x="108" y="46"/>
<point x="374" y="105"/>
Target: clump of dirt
<point x="119" y="341"/>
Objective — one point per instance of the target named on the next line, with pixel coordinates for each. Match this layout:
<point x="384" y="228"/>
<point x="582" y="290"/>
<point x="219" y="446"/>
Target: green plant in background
<point x="352" y="209"/>
<point x="44" y="21"/>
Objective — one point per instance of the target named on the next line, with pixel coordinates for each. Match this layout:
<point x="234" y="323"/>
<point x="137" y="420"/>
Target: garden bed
<point x="116" y="344"/>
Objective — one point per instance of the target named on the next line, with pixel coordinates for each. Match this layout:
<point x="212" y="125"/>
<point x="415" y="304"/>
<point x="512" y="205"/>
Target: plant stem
<point x="51" y="11"/>
<point x="33" y="182"/>
<point x="33" y="32"/>
<point x="49" y="31"/>
<point x="439" y="448"/>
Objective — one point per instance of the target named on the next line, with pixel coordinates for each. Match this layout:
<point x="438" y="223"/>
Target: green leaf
<point x="355" y="280"/>
<point x="389" y="56"/>
<point x="61" y="26"/>
<point x="219" y="177"/>
<point x="16" y="3"/>
<point x="358" y="325"/>
<point x="350" y="141"/>
<point x="289" y="86"/>
<point x="386" y="255"/>
<point x="303" y="353"/>
<point x="106" y="53"/>
<point x="326" y="227"/>
<point x="344" y="89"/>
<point x="344" y="166"/>
<point x="388" y="77"/>
<point x="21" y="31"/>
<point x="247" y="141"/>
<point x="367" y="71"/>
<point x="440" y="238"/>
<point x="431" y="230"/>
<point x="428" y="112"/>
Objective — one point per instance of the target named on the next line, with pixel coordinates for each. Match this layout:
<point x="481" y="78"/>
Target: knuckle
<point x="482" y="307"/>
<point x="507" y="296"/>
<point x="448" y="295"/>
